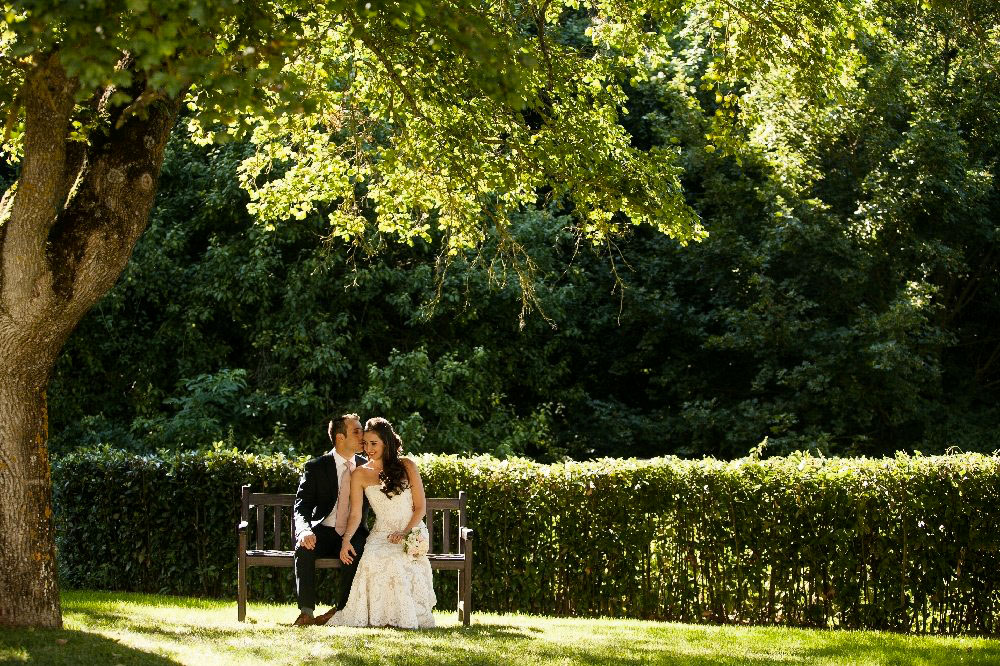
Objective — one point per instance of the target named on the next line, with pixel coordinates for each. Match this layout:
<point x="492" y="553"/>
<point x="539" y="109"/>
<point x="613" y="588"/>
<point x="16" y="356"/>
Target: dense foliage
<point x="904" y="543"/>
<point x="346" y="104"/>
<point x="459" y="131"/>
<point x="843" y="300"/>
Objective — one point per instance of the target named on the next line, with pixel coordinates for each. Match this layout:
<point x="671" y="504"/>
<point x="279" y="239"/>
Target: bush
<point x="909" y="543"/>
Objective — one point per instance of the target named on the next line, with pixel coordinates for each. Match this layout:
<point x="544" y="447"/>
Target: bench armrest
<point x="465" y="534"/>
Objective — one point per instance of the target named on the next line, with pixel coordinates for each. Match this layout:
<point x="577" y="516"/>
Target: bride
<point x="392" y="587"/>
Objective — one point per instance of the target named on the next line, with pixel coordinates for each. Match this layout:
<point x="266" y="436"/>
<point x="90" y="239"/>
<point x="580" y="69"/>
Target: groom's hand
<point x="307" y="540"/>
<point x="347" y="553"/>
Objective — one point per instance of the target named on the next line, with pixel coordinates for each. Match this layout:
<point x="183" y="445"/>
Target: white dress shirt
<point x="331" y="518"/>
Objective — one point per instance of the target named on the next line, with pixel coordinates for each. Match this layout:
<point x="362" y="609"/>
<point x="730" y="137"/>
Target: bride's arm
<point x="417" y="490"/>
<point x="354" y="519"/>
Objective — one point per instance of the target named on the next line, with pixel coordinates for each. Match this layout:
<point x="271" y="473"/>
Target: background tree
<point x="810" y="315"/>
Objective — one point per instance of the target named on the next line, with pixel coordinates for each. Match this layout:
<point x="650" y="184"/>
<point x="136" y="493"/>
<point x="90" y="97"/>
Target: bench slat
<point x="260" y="527"/>
<point x="461" y="522"/>
<point x="277" y="527"/>
<point x="275" y="499"/>
<point x="442" y="503"/>
<point x="286" y="558"/>
<point x="271" y="499"/>
<point x="446" y="531"/>
<point x="457" y="557"/>
<point x="429" y="518"/>
<point x="448" y="565"/>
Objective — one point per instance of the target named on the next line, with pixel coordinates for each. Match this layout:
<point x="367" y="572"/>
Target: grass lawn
<point x="119" y="628"/>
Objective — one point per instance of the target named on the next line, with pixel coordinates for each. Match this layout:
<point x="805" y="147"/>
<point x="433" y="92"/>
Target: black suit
<point x="314" y="500"/>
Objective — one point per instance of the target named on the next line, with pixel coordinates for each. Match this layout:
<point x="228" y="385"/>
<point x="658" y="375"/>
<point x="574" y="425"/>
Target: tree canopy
<point x="841" y="301"/>
<point x="422" y="116"/>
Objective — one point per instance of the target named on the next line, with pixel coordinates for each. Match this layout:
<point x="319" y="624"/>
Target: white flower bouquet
<point x="416" y="543"/>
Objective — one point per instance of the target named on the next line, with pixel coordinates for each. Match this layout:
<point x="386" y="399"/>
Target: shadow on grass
<point x="103" y="618"/>
<point x="482" y="644"/>
<point x="66" y="646"/>
<point x="460" y="654"/>
<point x="897" y="649"/>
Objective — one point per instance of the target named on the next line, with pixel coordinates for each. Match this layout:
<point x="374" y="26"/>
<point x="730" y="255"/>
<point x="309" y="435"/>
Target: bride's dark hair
<point x="393" y="475"/>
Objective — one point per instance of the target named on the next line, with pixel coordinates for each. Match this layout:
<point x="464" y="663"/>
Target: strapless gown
<point x="391" y="588"/>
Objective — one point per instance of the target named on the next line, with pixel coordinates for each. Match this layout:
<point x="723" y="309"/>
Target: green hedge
<point x="905" y="543"/>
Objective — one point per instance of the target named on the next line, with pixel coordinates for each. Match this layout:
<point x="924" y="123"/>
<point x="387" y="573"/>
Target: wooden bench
<point x="458" y="560"/>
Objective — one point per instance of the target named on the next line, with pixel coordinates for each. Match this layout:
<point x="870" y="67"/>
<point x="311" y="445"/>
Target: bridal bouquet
<point x="416" y="542"/>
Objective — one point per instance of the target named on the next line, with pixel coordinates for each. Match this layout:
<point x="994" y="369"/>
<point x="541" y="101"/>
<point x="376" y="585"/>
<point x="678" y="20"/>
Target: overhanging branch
<point x="370" y="44"/>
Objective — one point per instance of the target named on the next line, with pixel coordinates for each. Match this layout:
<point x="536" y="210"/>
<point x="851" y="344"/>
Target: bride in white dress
<point x="392" y="587"/>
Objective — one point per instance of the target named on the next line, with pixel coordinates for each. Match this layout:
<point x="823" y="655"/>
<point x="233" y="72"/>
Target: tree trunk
<point x="67" y="229"/>
<point x="29" y="594"/>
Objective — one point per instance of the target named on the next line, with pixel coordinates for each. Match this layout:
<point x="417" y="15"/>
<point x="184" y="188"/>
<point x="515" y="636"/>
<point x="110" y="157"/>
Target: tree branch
<point x="370" y="44"/>
<point x="109" y="207"/>
<point x="543" y="46"/>
<point x="48" y="102"/>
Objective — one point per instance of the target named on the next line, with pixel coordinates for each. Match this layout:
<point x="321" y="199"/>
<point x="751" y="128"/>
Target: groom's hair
<point x="339" y="426"/>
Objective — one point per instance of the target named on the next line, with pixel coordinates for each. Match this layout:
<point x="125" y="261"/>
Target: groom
<point x="322" y="506"/>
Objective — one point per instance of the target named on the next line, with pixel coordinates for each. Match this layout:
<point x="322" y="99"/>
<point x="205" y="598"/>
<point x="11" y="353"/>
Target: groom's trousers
<point x="328" y="544"/>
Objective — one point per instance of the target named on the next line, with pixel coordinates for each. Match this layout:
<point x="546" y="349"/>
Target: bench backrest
<point x="445" y="518"/>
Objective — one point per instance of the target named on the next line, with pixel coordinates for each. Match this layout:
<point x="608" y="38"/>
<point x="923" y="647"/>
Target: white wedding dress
<point x="391" y="588"/>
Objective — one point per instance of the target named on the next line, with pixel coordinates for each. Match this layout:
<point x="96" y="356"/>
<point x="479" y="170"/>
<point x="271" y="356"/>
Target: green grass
<point x="119" y="628"/>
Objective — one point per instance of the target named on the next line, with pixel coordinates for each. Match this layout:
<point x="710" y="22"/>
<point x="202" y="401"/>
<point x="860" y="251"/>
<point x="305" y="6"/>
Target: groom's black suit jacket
<point x="317" y="494"/>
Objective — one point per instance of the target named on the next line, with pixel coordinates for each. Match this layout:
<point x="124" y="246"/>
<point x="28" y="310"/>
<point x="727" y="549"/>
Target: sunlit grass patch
<point x="120" y="628"/>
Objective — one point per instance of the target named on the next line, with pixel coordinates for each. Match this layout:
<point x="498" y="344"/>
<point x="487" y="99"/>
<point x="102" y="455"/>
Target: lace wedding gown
<point x="390" y="588"/>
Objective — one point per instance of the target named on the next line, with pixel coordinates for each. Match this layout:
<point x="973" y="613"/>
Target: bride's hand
<point x="396" y="537"/>
<point x="347" y="553"/>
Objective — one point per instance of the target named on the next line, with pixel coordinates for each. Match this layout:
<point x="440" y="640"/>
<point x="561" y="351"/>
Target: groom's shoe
<point x="325" y="617"/>
<point x="303" y="620"/>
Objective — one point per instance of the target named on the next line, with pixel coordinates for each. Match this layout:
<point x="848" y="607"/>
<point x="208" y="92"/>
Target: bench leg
<point x="465" y="587"/>
<point x="241" y="592"/>
<point x="461" y="595"/>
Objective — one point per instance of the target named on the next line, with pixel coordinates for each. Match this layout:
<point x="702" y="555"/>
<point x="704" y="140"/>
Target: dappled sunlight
<point x="104" y="627"/>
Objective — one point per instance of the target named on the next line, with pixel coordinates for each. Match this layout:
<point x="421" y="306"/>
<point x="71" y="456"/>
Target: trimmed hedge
<point x="909" y="543"/>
